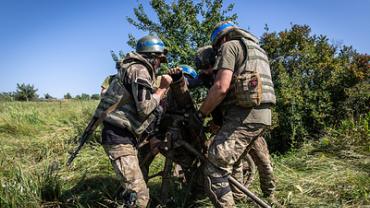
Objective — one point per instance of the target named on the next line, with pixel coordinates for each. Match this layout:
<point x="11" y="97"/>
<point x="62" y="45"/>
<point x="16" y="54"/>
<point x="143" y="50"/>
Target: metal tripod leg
<point x="166" y="181"/>
<point x="232" y="180"/>
<point x="167" y="171"/>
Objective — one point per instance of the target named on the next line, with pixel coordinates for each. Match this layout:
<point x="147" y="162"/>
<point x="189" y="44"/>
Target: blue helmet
<point x="150" y="44"/>
<point x="189" y="71"/>
<point x="220" y="30"/>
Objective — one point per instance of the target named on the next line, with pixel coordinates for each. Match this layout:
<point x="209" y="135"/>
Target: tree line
<point x="318" y="83"/>
<point x="28" y="92"/>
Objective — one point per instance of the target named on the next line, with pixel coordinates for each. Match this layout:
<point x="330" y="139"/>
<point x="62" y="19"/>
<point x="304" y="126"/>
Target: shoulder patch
<point x="143" y="82"/>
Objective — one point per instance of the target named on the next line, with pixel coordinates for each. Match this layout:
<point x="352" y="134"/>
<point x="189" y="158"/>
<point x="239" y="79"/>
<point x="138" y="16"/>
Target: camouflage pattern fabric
<point x="241" y="124"/>
<point x="261" y="157"/>
<point x="107" y="81"/>
<point x="225" y="151"/>
<point x="134" y="84"/>
<point x="205" y="57"/>
<point x="126" y="165"/>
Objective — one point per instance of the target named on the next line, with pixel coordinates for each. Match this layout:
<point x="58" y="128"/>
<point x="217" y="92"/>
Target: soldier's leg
<point x="225" y="150"/>
<point x="237" y="173"/>
<point x="126" y="165"/>
<point x="146" y="157"/>
<point x="261" y="157"/>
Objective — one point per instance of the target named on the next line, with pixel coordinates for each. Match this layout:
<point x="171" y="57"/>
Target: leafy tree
<point x="312" y="80"/>
<point x="68" y="96"/>
<point x="85" y="96"/>
<point x="183" y="25"/>
<point x="25" y="92"/>
<point x="7" y="96"/>
<point x="95" y="97"/>
<point x="48" y="96"/>
<point x="357" y="97"/>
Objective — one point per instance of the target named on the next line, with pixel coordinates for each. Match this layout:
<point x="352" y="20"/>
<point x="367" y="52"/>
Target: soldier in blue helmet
<point x="243" y="89"/>
<point x="259" y="153"/>
<point x="137" y="106"/>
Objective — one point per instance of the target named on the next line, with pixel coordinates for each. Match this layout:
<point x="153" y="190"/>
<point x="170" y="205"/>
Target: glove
<point x="175" y="73"/>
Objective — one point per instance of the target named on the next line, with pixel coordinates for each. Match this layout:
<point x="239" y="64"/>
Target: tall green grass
<point x="35" y="138"/>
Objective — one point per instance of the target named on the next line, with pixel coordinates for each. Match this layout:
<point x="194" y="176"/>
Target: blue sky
<point x="63" y="46"/>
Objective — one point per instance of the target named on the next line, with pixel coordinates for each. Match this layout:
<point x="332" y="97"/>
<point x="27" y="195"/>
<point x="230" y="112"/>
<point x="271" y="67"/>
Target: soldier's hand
<point x="174" y="71"/>
<point x="166" y="80"/>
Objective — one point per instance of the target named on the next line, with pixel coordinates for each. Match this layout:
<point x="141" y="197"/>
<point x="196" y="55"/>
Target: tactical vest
<point x="125" y="115"/>
<point x="252" y="84"/>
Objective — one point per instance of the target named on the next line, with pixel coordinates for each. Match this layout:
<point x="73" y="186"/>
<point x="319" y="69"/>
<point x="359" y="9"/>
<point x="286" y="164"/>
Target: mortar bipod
<point x="232" y="180"/>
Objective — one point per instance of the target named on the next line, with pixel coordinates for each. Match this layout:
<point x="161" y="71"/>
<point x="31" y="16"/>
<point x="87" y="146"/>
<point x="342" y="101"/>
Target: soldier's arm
<point x="142" y="92"/>
<point x="218" y="91"/>
<point x="225" y="63"/>
<point x="146" y="99"/>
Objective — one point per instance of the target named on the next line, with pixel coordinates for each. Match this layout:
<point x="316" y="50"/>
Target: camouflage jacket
<point x="133" y="88"/>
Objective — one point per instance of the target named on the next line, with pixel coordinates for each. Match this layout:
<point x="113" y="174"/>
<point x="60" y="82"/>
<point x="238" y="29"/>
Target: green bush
<point x="348" y="134"/>
<point x="317" y="84"/>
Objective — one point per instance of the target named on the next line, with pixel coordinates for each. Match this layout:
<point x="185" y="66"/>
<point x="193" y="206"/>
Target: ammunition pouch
<point x="252" y="83"/>
<point x="248" y="89"/>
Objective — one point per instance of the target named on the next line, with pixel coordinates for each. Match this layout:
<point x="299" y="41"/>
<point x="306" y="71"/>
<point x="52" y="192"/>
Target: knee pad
<point x="216" y="193"/>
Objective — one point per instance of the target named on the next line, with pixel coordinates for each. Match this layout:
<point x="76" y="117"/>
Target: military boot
<point x="271" y="199"/>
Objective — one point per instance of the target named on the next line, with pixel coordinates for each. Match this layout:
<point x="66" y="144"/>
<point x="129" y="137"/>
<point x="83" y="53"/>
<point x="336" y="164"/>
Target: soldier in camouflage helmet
<point x="132" y="88"/>
<point x="243" y="89"/>
<point x="205" y="60"/>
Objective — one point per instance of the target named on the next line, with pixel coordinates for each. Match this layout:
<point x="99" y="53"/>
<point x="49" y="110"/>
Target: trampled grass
<point x="35" y="138"/>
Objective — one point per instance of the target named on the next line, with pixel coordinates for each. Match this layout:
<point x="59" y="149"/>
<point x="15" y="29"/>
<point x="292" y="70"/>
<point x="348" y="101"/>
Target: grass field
<point x="36" y="137"/>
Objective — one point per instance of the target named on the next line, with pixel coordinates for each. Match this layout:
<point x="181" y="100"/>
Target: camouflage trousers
<point x="261" y="157"/>
<point x="224" y="154"/>
<point x="126" y="165"/>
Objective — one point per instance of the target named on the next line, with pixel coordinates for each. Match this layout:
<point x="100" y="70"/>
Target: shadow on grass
<point x="179" y="194"/>
<point x="97" y="191"/>
<point x="104" y="191"/>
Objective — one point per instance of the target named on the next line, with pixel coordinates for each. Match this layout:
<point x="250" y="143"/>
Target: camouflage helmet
<point x="205" y="57"/>
<point x="220" y="30"/>
<point x="186" y="69"/>
<point x="151" y="44"/>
